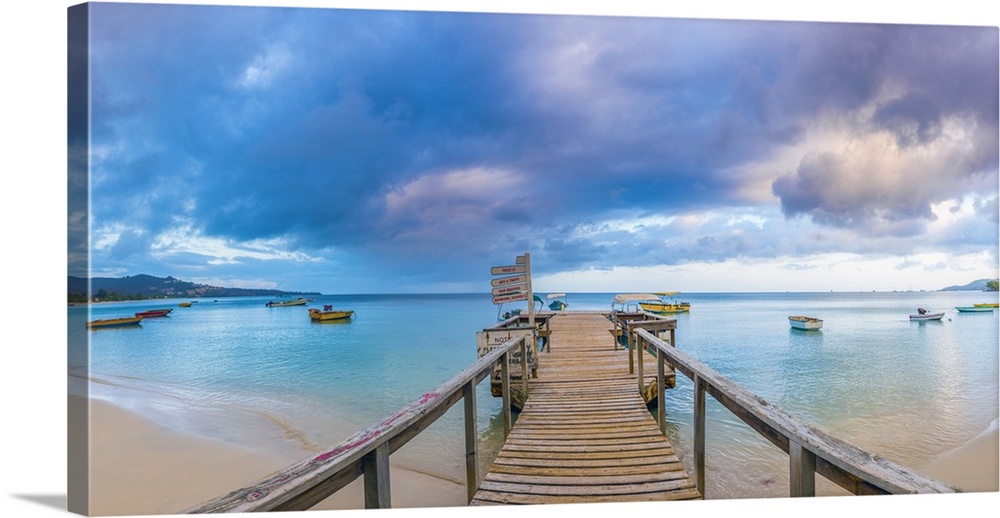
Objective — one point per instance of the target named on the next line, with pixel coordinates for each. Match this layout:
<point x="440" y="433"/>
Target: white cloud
<point x="217" y="251"/>
<point x="819" y="272"/>
<point x="264" y="67"/>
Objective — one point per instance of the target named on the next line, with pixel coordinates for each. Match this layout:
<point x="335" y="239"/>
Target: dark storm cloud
<point x="390" y="136"/>
<point x="934" y="77"/>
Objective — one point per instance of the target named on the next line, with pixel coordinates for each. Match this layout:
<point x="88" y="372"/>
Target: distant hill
<point x="138" y="287"/>
<point x="980" y="285"/>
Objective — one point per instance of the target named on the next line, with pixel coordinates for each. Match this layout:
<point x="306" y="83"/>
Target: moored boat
<point x="974" y="309"/>
<point x="665" y="303"/>
<point x="923" y="315"/>
<point x="987" y="305"/>
<point x="805" y="323"/>
<point x="558" y="304"/>
<point x="185" y="304"/>
<point x="328" y="314"/>
<point x="114" y="322"/>
<point x="283" y="303"/>
<point x="153" y="313"/>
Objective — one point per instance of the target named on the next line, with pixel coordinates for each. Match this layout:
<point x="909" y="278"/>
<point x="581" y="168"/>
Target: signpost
<point x="515" y="287"/>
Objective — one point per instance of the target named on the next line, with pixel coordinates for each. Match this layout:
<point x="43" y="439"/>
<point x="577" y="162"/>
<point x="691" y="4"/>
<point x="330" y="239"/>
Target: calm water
<point x="269" y="379"/>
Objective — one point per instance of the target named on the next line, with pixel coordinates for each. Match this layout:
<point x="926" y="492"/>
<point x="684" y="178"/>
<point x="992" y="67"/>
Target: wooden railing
<point x="810" y="450"/>
<point x="366" y="453"/>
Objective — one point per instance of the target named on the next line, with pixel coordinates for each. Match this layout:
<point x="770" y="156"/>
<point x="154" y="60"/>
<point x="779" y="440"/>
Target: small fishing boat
<point x="974" y="309"/>
<point x="629" y="302"/>
<point x="923" y="315"/>
<point x="805" y="323"/>
<point x="283" y="303"/>
<point x="665" y="303"/>
<point x="185" y="304"/>
<point x="328" y="314"/>
<point x="557" y="304"/>
<point x="987" y="305"/>
<point x="153" y="313"/>
<point x="114" y="322"/>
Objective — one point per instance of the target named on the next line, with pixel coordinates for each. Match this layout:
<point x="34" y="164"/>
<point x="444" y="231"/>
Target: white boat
<point x="923" y="315"/>
<point x="629" y="302"/>
<point x="805" y="323"/>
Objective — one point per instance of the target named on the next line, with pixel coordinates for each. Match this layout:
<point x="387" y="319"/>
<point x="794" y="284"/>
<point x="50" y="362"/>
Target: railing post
<point x="376" y="469"/>
<point x="661" y="406"/>
<point x="640" y="348"/>
<point x="631" y="350"/>
<point x="699" y="434"/>
<point x="524" y="368"/>
<point x="471" y="439"/>
<point x="505" y="392"/>
<point x="801" y="470"/>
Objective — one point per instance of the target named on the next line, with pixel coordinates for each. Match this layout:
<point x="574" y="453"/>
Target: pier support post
<point x="801" y="470"/>
<point x="376" y="469"/>
<point x="699" y="433"/>
<point x="471" y="440"/>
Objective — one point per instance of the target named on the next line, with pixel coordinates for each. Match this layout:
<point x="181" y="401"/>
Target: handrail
<point x="810" y="450"/>
<point x="305" y="484"/>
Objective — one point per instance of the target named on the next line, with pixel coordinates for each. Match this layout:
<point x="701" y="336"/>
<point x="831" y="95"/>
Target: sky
<point x="344" y="150"/>
<point x="33" y="200"/>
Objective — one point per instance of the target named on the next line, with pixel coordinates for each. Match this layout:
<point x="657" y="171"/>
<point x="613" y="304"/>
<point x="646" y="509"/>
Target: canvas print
<point x="345" y="259"/>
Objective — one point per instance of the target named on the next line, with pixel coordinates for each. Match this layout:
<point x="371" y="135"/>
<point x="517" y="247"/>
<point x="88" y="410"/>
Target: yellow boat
<point x="987" y="305"/>
<point x="328" y="314"/>
<point x="114" y="322"/>
<point x="665" y="306"/>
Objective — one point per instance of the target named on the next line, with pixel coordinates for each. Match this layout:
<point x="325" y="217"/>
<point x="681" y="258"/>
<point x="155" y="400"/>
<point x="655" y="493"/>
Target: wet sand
<point x="972" y="467"/>
<point x="139" y="468"/>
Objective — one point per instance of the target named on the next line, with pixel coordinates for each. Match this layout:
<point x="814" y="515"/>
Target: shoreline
<point x="971" y="467"/>
<point x="138" y="467"/>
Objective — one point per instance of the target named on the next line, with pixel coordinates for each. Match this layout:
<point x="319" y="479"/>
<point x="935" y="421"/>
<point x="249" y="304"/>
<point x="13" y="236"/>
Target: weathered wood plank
<point x="648" y="471"/>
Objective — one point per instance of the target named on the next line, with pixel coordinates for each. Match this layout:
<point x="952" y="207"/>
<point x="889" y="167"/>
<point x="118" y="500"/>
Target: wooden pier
<point x="584" y="434"/>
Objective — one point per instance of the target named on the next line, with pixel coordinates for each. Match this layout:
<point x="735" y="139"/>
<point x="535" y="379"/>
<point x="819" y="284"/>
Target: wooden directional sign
<point x="503" y="270"/>
<point x="506" y="281"/>
<point x="510" y="298"/>
<point x="513" y="288"/>
<point x="521" y="259"/>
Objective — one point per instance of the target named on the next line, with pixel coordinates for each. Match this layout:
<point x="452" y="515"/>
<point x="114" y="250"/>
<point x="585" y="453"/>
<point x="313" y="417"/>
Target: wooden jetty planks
<point x="584" y="434"/>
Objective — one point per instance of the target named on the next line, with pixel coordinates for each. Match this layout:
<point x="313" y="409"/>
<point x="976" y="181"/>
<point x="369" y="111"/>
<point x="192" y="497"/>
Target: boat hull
<point x="926" y="317"/>
<point x="114" y="322"/>
<point x="153" y="313"/>
<point x="665" y="309"/>
<point x="974" y="309"/>
<point x="329" y="316"/>
<point x="805" y="323"/>
<point x="282" y="304"/>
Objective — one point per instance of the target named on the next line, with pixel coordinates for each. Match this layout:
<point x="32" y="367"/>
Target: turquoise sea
<point x="269" y="379"/>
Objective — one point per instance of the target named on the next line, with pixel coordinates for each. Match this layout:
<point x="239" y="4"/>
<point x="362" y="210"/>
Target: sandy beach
<point x="971" y="467"/>
<point x="138" y="468"/>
